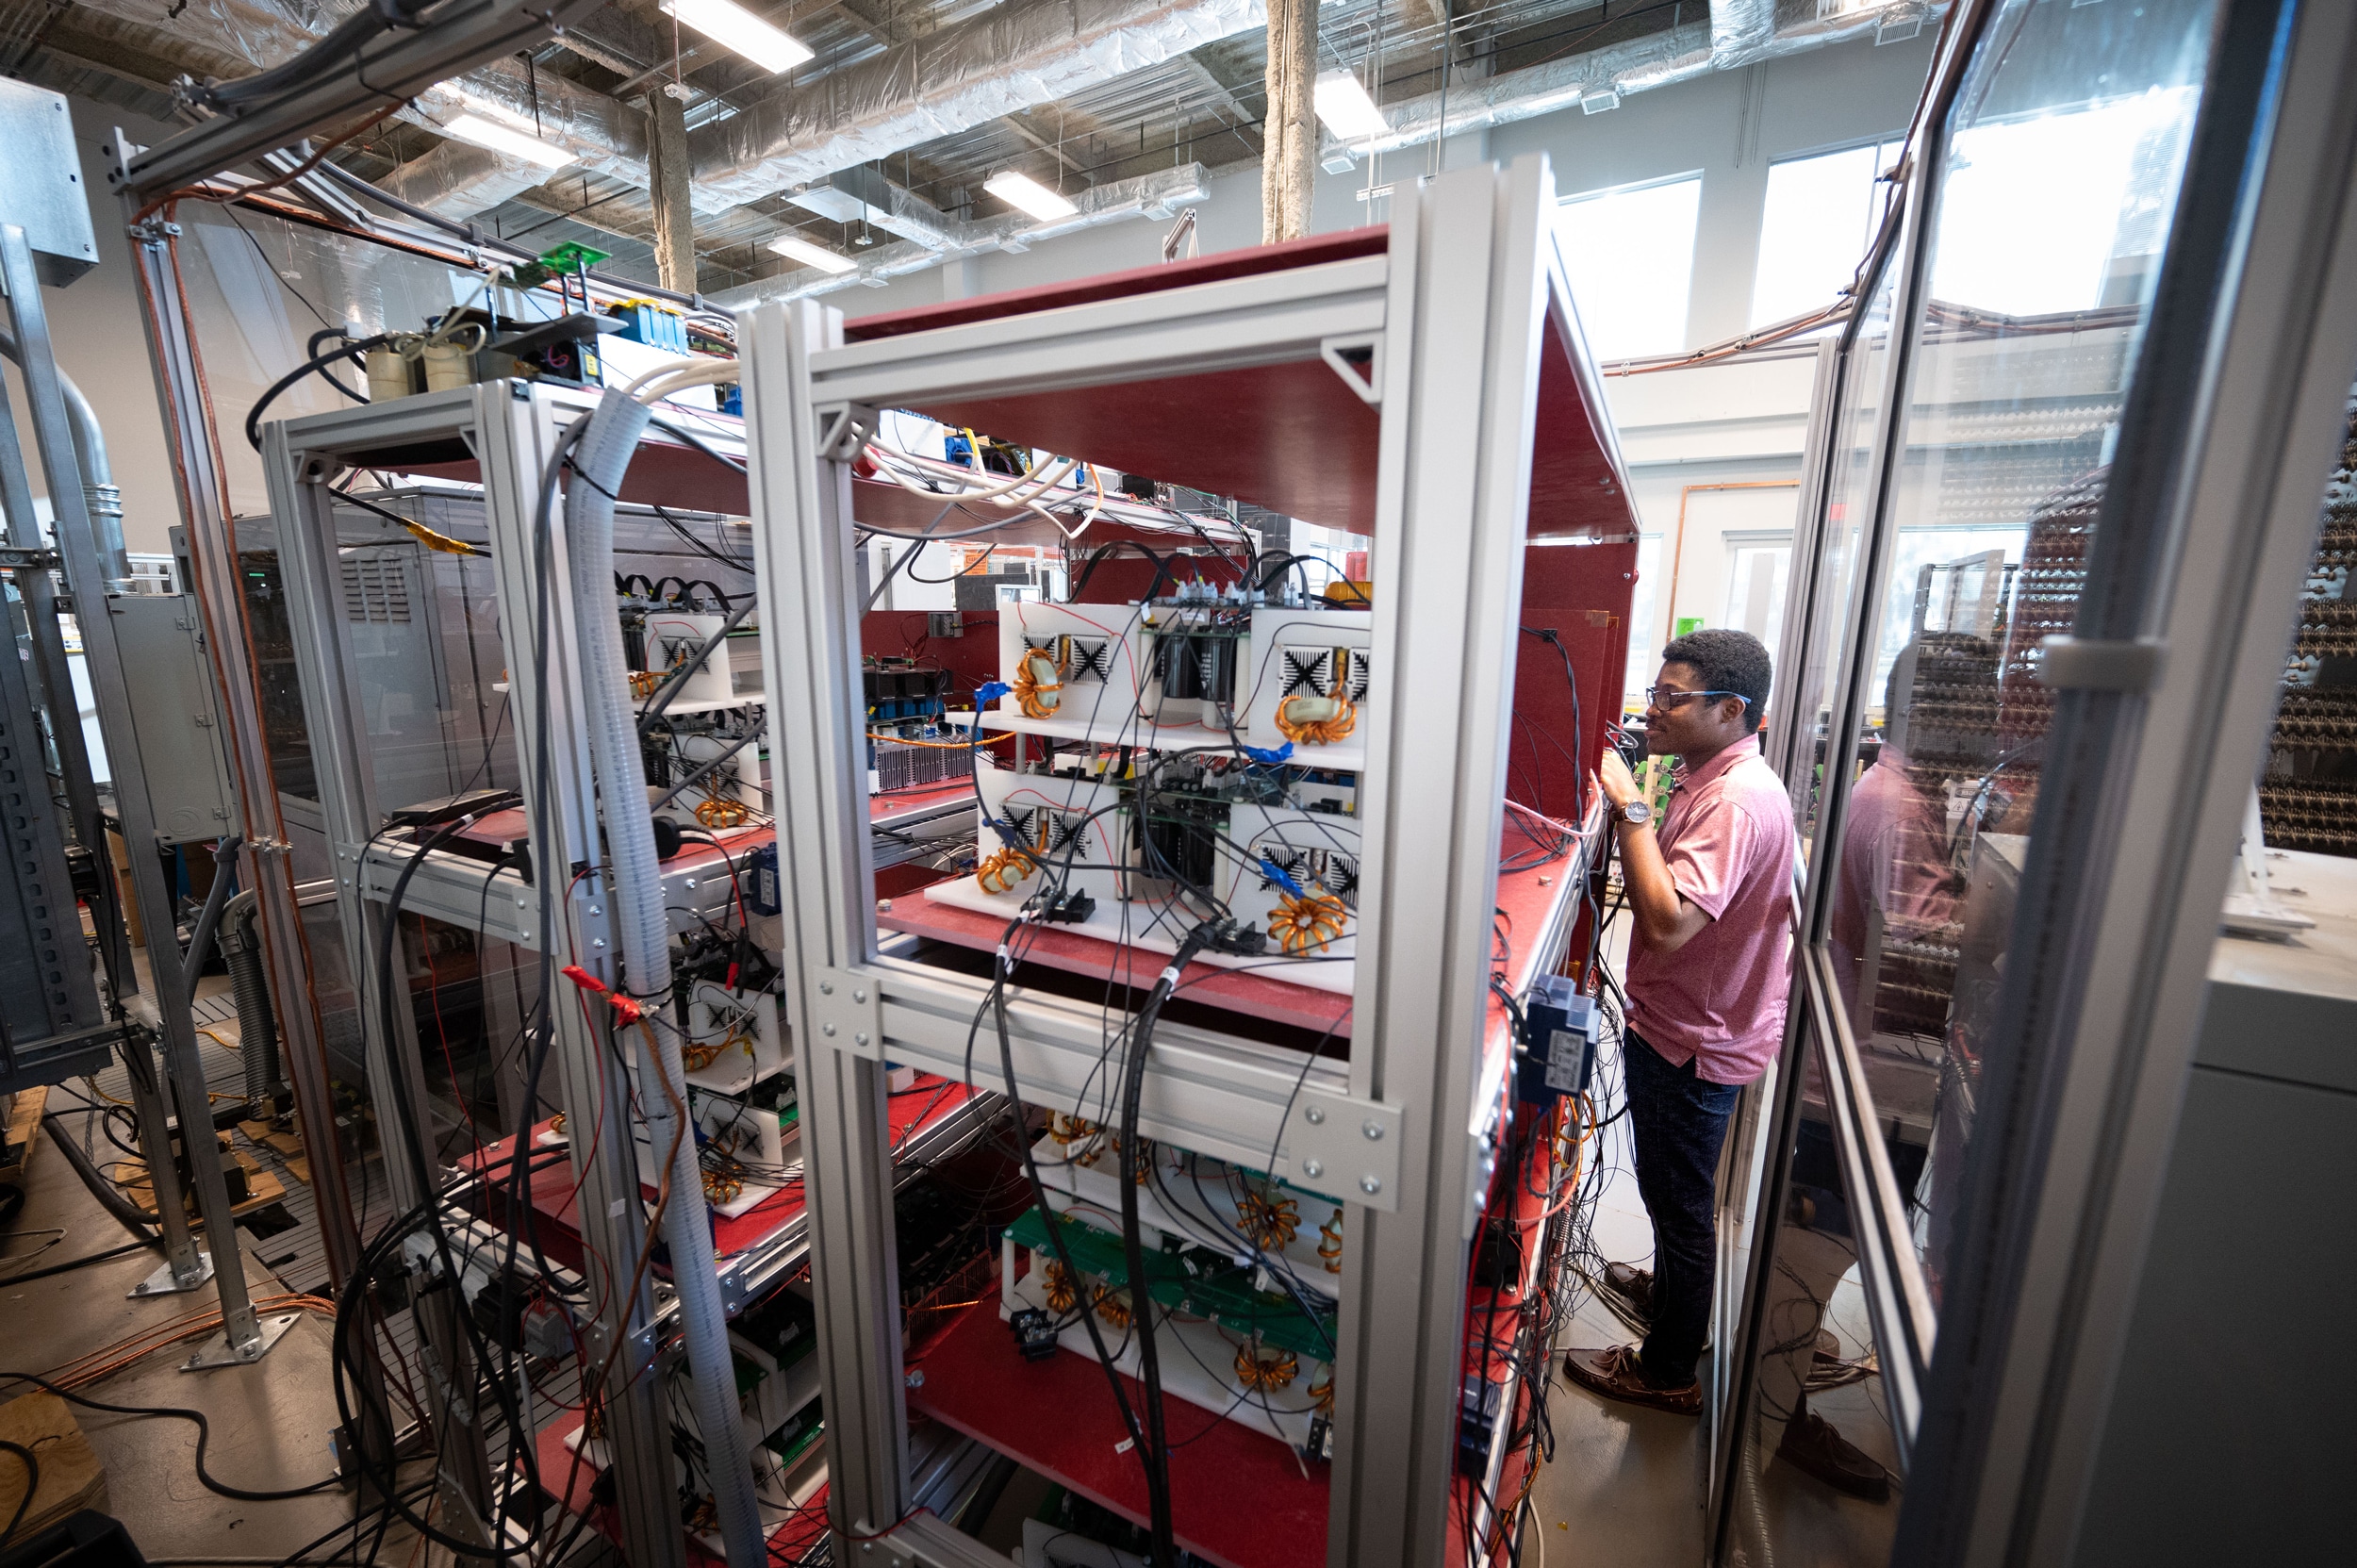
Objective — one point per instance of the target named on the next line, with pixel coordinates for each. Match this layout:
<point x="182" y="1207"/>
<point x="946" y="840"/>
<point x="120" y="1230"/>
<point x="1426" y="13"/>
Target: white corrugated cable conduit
<point x="604" y="452"/>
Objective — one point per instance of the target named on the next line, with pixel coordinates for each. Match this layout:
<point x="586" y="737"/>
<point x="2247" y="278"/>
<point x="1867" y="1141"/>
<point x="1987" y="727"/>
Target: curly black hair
<point x="1726" y="660"/>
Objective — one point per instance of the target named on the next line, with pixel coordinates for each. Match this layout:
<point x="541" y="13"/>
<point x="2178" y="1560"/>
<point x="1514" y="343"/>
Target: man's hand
<point x="1617" y="783"/>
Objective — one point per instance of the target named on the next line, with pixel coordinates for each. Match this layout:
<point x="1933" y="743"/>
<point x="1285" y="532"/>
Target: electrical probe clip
<point x="625" y="1010"/>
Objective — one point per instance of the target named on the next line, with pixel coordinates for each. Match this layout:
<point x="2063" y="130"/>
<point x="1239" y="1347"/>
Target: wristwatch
<point x="1636" y="814"/>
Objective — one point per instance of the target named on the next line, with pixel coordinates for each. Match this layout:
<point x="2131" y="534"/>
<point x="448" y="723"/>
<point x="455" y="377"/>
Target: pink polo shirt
<point x="1719" y="1001"/>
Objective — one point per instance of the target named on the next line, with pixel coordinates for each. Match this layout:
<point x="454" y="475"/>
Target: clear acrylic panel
<point x="2044" y="241"/>
<point x="1817" y="1476"/>
<point x="1849" y="500"/>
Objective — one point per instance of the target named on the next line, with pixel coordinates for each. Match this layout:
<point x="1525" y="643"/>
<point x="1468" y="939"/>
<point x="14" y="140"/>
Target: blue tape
<point x="990" y="691"/>
<point x="1259" y="753"/>
<point x="1277" y="874"/>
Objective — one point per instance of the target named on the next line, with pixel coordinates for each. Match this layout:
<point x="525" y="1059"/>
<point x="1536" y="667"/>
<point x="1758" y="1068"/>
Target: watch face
<point x="1637" y="812"/>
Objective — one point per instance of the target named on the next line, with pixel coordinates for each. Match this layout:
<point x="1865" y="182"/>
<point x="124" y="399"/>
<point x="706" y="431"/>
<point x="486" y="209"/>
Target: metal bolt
<point x="917" y="1377"/>
<point x="599" y="941"/>
<point x="858" y="994"/>
<point x="595" y="909"/>
<point x="826" y="988"/>
<point x="691" y="884"/>
<point x="1313" y="1169"/>
<point x="1374" y="1129"/>
<point x="1314" y="1115"/>
<point x="860" y="1038"/>
<point x="827" y="1030"/>
<point x="1370" y="1185"/>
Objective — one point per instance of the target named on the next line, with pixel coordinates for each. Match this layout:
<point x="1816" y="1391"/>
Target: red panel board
<point x="1581" y="594"/>
<point x="1238" y="1497"/>
<point x="1291" y="438"/>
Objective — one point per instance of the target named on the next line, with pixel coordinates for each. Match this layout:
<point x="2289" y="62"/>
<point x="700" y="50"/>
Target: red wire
<point x="434" y="994"/>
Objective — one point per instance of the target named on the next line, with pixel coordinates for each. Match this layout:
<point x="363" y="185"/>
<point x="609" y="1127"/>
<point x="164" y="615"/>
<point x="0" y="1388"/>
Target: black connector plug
<point x="1243" y="941"/>
<point x="1034" y="1333"/>
<point x="1069" y="906"/>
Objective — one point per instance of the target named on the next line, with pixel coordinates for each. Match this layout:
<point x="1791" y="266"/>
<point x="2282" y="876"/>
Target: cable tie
<point x="1168" y="977"/>
<point x="625" y="1008"/>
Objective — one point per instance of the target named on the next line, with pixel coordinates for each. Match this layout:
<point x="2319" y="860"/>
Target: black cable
<point x="1133" y="1242"/>
<point x="32" y="1484"/>
<point x="997" y="1004"/>
<point x="100" y="1188"/>
<point x="204" y="1436"/>
<point x="315" y="366"/>
<point x="111" y="1253"/>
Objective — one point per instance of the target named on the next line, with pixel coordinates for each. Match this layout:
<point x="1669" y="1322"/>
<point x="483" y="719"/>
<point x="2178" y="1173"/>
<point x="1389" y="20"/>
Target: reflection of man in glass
<point x="1893" y="889"/>
<point x="1895" y="883"/>
<point x="1709" y="968"/>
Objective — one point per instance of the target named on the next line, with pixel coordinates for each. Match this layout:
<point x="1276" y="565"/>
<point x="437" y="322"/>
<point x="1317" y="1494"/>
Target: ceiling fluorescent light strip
<point x="490" y="134"/>
<point x="813" y="255"/>
<point x="733" y="26"/>
<point x="1021" y="191"/>
<point x="1344" y="107"/>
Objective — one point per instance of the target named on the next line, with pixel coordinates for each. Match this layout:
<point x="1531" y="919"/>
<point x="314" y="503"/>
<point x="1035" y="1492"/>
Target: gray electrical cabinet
<point x="177" y="715"/>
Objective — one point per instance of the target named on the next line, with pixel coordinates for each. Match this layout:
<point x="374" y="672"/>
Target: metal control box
<point x="41" y="183"/>
<point x="179" y="715"/>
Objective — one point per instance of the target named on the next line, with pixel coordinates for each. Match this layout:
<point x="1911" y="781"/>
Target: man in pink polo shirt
<point x="1711" y="893"/>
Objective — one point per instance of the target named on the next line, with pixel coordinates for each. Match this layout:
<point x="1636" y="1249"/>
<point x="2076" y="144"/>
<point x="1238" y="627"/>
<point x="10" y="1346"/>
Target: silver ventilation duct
<point x="1741" y="31"/>
<point x="1155" y="195"/>
<point x="1021" y="54"/>
<point x="458" y="180"/>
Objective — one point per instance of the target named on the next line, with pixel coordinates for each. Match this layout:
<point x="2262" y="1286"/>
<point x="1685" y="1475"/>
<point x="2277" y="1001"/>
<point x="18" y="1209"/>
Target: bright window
<point x="1820" y="216"/>
<point x="1630" y="255"/>
<point x="2062" y="211"/>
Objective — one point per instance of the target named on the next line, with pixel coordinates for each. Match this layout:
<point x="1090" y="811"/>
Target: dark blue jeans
<point x="1677" y="1122"/>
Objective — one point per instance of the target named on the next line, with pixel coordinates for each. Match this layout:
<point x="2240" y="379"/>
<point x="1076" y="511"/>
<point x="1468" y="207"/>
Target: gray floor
<point x="270" y="1421"/>
<point x="1627" y="1485"/>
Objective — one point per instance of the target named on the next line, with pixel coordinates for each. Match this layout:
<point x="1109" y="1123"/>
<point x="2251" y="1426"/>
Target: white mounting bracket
<point x="1348" y="354"/>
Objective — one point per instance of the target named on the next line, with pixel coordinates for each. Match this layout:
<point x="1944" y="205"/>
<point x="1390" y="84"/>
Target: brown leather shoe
<point x="1633" y="1285"/>
<point x="1612" y="1372"/>
<point x="1813" y="1447"/>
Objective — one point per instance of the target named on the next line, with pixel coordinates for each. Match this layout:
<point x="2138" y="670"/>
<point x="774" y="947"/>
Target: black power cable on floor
<point x="32" y="1484"/>
<point x="204" y="1436"/>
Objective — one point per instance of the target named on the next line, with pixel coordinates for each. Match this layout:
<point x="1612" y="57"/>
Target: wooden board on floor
<point x="71" y="1477"/>
<point x="262" y="1188"/>
<point x="16" y="1144"/>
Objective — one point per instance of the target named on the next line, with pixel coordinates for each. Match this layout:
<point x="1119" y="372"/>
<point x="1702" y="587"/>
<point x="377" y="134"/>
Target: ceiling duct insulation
<point x="1673" y="54"/>
<point x="604" y="135"/>
<point x="458" y="179"/>
<point x="1740" y="30"/>
<point x="1017" y="56"/>
<point x="1152" y="195"/>
<point x="866" y="196"/>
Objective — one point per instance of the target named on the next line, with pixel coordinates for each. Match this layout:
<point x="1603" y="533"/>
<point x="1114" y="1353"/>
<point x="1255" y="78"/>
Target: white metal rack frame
<point x="1457" y="311"/>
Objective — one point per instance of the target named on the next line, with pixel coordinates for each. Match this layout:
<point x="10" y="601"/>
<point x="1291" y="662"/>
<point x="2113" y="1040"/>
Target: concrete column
<point x="674" y="219"/>
<point x="1290" y="135"/>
